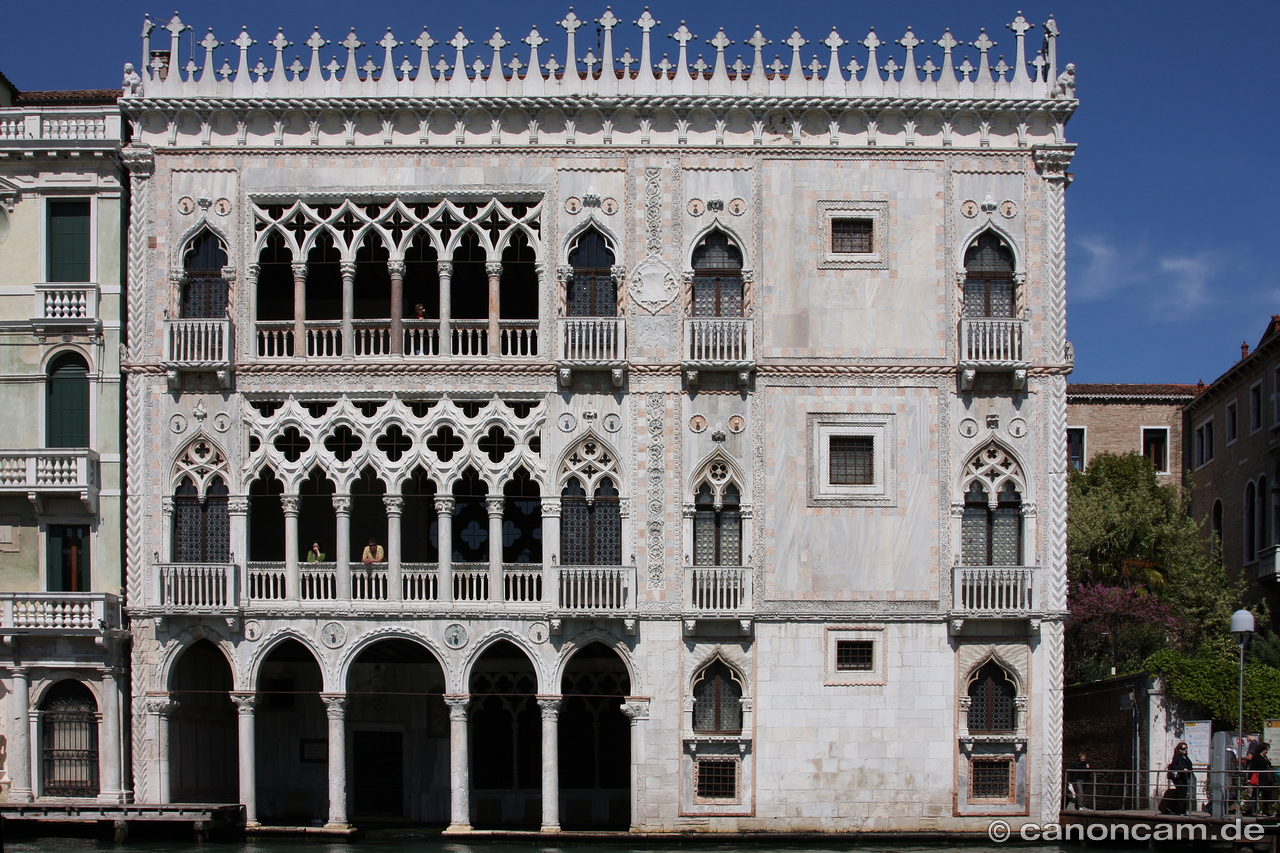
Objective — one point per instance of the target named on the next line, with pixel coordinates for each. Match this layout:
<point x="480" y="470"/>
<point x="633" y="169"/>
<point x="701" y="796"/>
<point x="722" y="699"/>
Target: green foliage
<point x="1127" y="530"/>
<point x="1213" y="684"/>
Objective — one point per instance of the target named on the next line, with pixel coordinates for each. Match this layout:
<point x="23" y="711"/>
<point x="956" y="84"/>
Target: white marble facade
<point x="737" y="631"/>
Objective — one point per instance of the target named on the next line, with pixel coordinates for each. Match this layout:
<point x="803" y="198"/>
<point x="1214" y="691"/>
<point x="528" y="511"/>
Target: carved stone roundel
<point x="222" y="422"/>
<point x="653" y="285"/>
<point x="566" y="422"/>
<point x="737" y="206"/>
<point x="539" y="632"/>
<point x="333" y="635"/>
<point x="737" y="424"/>
<point x="969" y="209"/>
<point x="697" y="207"/>
<point x="697" y="423"/>
<point x="609" y="206"/>
<point x="455" y="636"/>
<point x="573" y="204"/>
<point x="1017" y="427"/>
<point x="1008" y="209"/>
<point x="968" y="427"/>
<point x="177" y="424"/>
<point x="252" y="630"/>
<point x="186" y="205"/>
<point x="611" y="423"/>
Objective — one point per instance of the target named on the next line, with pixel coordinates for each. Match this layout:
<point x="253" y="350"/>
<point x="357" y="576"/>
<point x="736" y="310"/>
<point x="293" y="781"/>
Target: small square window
<point x="1155" y="446"/>
<point x="850" y="236"/>
<point x="851" y="460"/>
<point x="990" y="779"/>
<point x="855" y="655"/>
<point x="717" y="779"/>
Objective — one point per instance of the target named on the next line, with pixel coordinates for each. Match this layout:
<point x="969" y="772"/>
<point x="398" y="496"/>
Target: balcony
<point x="597" y="590"/>
<point x="990" y="345"/>
<point x="1267" y="568"/>
<point x="197" y="587"/>
<point x="591" y="343"/>
<point x="198" y="346"/>
<point x="718" y="593"/>
<point x="420" y="586"/>
<point x="66" y="308"/>
<point x="44" y="474"/>
<point x="994" y="592"/>
<point x="372" y="339"/>
<point x="59" y="613"/>
<point x="720" y="344"/>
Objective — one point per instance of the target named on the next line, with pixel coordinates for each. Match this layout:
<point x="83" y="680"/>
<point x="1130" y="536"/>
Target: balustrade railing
<point x="197" y="342"/>
<point x="266" y="581"/>
<point x="469" y="337"/>
<point x="522" y="582"/>
<point x="995" y="588"/>
<point x="422" y="337"/>
<point x="318" y="582"/>
<point x="719" y="589"/>
<point x="324" y="338"/>
<point x="597" y="587"/>
<point x="421" y="581"/>
<point x="57" y="471"/>
<point x="68" y="304"/>
<point x="59" y="123"/>
<point x="196" y="586"/>
<point x="61" y="611"/>
<point x="591" y="340"/>
<point x="711" y="341"/>
<point x="275" y="339"/>
<point x="470" y="581"/>
<point x="73" y="126"/>
<point x="519" y="337"/>
<point x="369" y="584"/>
<point x="992" y="342"/>
<point x="373" y="337"/>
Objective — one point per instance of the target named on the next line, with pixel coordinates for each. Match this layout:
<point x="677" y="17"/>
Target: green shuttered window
<point x="69" y="240"/>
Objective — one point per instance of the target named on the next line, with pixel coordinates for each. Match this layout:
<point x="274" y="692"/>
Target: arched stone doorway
<point x="398" y="731"/>
<point x="291" y="738"/>
<point x="595" y="741"/>
<point x="506" y="740"/>
<point x="69" y="741"/>
<point x="203" y="738"/>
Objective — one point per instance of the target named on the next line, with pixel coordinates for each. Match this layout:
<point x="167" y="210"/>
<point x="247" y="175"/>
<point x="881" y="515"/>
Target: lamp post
<point x="1242" y="626"/>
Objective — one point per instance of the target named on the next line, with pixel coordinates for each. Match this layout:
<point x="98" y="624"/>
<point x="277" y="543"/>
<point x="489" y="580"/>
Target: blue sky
<point x="1177" y="192"/>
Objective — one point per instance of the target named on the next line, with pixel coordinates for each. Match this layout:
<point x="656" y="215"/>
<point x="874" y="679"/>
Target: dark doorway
<point x="595" y="741"/>
<point x="377" y="774"/>
<point x="203" y="734"/>
<point x="292" y="738"/>
<point x="506" y="740"/>
<point x="69" y="741"/>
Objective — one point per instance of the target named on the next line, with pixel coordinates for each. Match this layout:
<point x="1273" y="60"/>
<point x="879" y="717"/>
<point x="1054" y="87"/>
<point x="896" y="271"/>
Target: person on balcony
<point x="373" y="553"/>
<point x="315" y="555"/>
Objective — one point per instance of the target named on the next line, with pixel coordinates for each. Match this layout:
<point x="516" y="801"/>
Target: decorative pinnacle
<point x="607" y="20"/>
<point x="834" y="41"/>
<point x="209" y="42"/>
<point x="352" y="43"/>
<point x="984" y="43"/>
<point x="947" y="42"/>
<point x="315" y="42"/>
<point x="571" y="22"/>
<point x="459" y="41"/>
<point x="389" y="41"/>
<point x="909" y="41"/>
<point x="720" y="42"/>
<point x="243" y="41"/>
<point x="647" y="21"/>
<point x="758" y="41"/>
<point x="425" y="41"/>
<point x="175" y="26"/>
<point x="796" y="41"/>
<point x="497" y="42"/>
<point x="1020" y="25"/>
<point x="872" y="41"/>
<point x="682" y="35"/>
<point x="534" y="40"/>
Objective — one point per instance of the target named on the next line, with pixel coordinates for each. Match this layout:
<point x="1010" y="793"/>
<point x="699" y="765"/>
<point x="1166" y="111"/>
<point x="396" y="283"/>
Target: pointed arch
<point x="994" y="463"/>
<point x="991" y="522"/>
<point x="589" y="286"/>
<point x="970" y="239"/>
<point x="200" y="460"/>
<point x="173" y="651"/>
<point x="717" y="223"/>
<point x="590" y="459"/>
<point x="990" y="276"/>
<point x="717" y="470"/>
<point x="992" y="692"/>
<point x="718" y="687"/>
<point x="718" y="284"/>
<point x="592" y="635"/>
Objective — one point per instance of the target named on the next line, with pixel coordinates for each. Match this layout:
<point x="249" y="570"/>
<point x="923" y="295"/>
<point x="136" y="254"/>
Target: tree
<point x="1141" y="579"/>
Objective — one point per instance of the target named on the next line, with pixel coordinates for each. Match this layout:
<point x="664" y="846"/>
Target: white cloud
<point x="1174" y="285"/>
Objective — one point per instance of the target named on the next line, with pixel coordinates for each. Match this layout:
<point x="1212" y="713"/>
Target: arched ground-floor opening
<point x="595" y="741"/>
<point x="398" y="735"/>
<point x="506" y="740"/>
<point x="203" y="739"/>
<point x="69" y="741"/>
<point x="291" y="738"/>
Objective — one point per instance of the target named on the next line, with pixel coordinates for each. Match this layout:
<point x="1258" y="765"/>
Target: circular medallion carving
<point x="252" y="630"/>
<point x="968" y="427"/>
<point x="333" y="635"/>
<point x="566" y="422"/>
<point x="222" y="422"/>
<point x="1017" y="427"/>
<point x="609" y="206"/>
<point x="573" y="204"/>
<point x="737" y="206"/>
<point x="455" y="636"/>
<point x="697" y="423"/>
<point x="697" y="207"/>
<point x="186" y="205"/>
<point x="539" y="632"/>
<point x="178" y="424"/>
<point x="737" y="423"/>
<point x="969" y="208"/>
<point x="1008" y="209"/>
<point x="611" y="423"/>
<point x="222" y="206"/>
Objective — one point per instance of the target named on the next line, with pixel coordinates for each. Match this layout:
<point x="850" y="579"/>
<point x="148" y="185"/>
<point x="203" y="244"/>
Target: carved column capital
<point x="394" y="504"/>
<point x="495" y="505"/>
<point x="636" y="708"/>
<point x="160" y="704"/>
<point x="289" y="503"/>
<point x="239" y="505"/>
<point x="166" y="505"/>
<point x="396" y="268"/>
<point x="444" y="269"/>
<point x="299" y="269"/>
<point x="550" y="507"/>
<point x="342" y="504"/>
<point x="457" y="703"/>
<point x="348" y="269"/>
<point x="618" y="272"/>
<point x="245" y="702"/>
<point x="139" y="159"/>
<point x="564" y="273"/>
<point x="1052" y="162"/>
<point x="444" y="505"/>
<point x="550" y="707"/>
<point x="493" y="269"/>
<point x="335" y="705"/>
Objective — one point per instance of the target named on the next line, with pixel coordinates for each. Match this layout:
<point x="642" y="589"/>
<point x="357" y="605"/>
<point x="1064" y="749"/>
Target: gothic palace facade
<point x="675" y="448"/>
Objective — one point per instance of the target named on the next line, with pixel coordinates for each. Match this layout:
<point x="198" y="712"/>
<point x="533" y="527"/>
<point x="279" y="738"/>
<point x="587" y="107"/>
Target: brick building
<point x="1118" y="418"/>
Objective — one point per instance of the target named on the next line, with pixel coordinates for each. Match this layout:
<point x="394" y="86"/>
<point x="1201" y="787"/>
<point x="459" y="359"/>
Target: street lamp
<point x="1242" y="626"/>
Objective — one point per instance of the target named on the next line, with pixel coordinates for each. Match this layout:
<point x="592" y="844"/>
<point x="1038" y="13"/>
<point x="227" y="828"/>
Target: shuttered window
<point x="67" y="403"/>
<point x="68" y="241"/>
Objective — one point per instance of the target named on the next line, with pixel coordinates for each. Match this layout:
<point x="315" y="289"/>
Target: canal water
<point x="418" y="844"/>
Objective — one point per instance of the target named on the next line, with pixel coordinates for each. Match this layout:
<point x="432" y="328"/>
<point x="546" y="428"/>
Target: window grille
<point x="990" y="779"/>
<point x="590" y="532"/>
<point x="592" y="292"/>
<point x="717" y="533"/>
<point x="717" y="701"/>
<point x="69" y="723"/>
<point x="717" y="779"/>
<point x="991" y="694"/>
<point x="717" y="278"/>
<point x="850" y="236"/>
<point x="201" y="528"/>
<point x="855" y="655"/>
<point x="988" y="287"/>
<point x="851" y="460"/>
<point x="991" y="536"/>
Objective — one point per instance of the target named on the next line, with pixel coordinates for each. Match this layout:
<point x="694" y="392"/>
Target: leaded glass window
<point x="592" y="292"/>
<point x="717" y="531"/>
<point x="988" y="286"/>
<point x="717" y="277"/>
<point x="201" y="527"/>
<point x="590" y="531"/>
<point x="717" y="700"/>
<point x="991" y="536"/>
<point x="991" y="700"/>
<point x="204" y="290"/>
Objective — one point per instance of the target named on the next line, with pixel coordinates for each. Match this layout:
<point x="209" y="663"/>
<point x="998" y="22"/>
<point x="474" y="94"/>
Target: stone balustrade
<point x="995" y="589"/>
<point x="196" y="587"/>
<point x="59" y="612"/>
<point x="597" y="588"/>
<point x="47" y="473"/>
<point x="718" y="590"/>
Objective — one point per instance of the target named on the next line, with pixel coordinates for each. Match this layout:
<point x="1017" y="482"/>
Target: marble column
<point x="336" y="706"/>
<point x="459" y="764"/>
<point x="109" y="741"/>
<point x="289" y="503"/>
<point x="159" y="707"/>
<point x="396" y="269"/>
<point x="394" y="505"/>
<point x="245" y="702"/>
<point x="444" y="269"/>
<point x="342" y="547"/>
<point x="636" y="709"/>
<point x="550" y="708"/>
<point x="165" y="553"/>
<point x="348" y="269"/>
<point x="299" y="309"/>
<point x="550" y="551"/>
<point x="494" y="270"/>
<point x="494" y="504"/>
<point x="444" y="537"/>
<point x="238" y="518"/>
<point x="19" y="745"/>
<point x="34" y="769"/>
